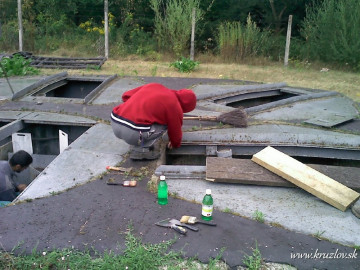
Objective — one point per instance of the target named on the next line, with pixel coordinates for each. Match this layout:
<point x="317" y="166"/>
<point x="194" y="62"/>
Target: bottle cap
<point x="208" y="191"/>
<point x="162" y="177"/>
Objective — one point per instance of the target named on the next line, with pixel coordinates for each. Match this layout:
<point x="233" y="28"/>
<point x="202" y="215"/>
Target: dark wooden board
<point x="241" y="171"/>
<point x="245" y="171"/>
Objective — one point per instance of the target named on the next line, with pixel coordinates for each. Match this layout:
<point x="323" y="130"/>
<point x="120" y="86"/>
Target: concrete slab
<point x="17" y="84"/>
<point x="273" y="134"/>
<point x="291" y="208"/>
<point x="84" y="159"/>
<point x="114" y="91"/>
<point x="45" y="118"/>
<point x="210" y="91"/>
<point x="55" y="118"/>
<point x="310" y="109"/>
<point x="330" y="120"/>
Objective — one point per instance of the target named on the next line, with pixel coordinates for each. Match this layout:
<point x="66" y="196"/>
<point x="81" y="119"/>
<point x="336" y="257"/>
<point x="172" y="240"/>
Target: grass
<point x="137" y="255"/>
<point x="259" y="216"/>
<point x="254" y="261"/>
<point x="256" y="70"/>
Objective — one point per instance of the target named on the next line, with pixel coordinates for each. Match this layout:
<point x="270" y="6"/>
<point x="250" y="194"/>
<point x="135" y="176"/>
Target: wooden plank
<point x="348" y="176"/>
<point x="241" y="171"/>
<point x="245" y="171"/>
<point x="314" y="182"/>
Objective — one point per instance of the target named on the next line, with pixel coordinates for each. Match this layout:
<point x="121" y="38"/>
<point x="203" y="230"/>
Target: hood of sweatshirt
<point x="187" y="99"/>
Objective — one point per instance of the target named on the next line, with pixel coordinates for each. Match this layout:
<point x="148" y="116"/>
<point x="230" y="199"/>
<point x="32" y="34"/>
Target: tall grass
<point x="172" y="23"/>
<point x="331" y="30"/>
<point x="237" y="42"/>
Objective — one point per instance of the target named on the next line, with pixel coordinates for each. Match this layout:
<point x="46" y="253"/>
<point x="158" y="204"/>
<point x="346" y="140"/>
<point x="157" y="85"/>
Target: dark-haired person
<point x="146" y="113"/>
<point x="8" y="169"/>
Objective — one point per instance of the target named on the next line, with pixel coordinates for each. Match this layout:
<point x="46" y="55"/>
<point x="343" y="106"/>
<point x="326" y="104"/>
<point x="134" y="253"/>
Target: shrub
<point x="237" y="41"/>
<point x="185" y="65"/>
<point x="331" y="31"/>
<point x="173" y="23"/>
<point x="16" y="66"/>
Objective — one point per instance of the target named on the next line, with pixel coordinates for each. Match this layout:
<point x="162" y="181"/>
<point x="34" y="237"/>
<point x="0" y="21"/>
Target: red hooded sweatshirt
<point x="154" y="103"/>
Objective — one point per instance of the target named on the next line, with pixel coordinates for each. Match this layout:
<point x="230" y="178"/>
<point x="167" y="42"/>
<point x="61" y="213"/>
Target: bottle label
<point x="207" y="210"/>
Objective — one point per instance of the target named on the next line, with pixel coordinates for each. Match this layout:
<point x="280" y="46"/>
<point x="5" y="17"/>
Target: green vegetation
<point x="319" y="234"/>
<point x="237" y="42"/>
<point x="234" y="31"/>
<point x="254" y="261"/>
<point x="137" y="255"/>
<point x="331" y="32"/>
<point x="185" y="65"/>
<point x="259" y="216"/>
<point x="173" y="23"/>
<point x="16" y="66"/>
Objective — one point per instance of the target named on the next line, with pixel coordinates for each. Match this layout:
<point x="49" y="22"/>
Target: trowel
<point x="178" y="223"/>
<point x="166" y="223"/>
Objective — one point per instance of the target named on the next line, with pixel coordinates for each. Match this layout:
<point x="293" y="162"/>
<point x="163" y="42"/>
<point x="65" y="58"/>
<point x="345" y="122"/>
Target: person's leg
<point x="129" y="135"/>
<point x="142" y="143"/>
<point x="154" y="135"/>
<point x="150" y="143"/>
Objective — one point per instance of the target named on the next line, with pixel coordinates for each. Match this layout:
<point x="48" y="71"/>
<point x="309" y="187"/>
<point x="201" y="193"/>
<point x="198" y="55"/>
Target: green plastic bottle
<point x="162" y="191"/>
<point x="207" y="206"/>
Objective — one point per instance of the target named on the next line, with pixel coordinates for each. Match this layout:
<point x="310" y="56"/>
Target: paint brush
<point x="194" y="220"/>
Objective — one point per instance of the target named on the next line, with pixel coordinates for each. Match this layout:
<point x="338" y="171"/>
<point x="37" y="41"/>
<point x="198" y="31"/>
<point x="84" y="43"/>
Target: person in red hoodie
<point x="146" y="113"/>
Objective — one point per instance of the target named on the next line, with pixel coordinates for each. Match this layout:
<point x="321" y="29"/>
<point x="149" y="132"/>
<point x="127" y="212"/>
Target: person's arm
<point x="174" y="125"/>
<point x="21" y="187"/>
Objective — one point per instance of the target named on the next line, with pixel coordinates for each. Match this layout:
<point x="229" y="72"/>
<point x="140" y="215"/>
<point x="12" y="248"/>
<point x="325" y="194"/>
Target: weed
<point x="137" y="255"/>
<point x="185" y="65"/>
<point x="16" y="66"/>
<point x="93" y="67"/>
<point x="195" y="128"/>
<point x="53" y="193"/>
<point x="319" y="234"/>
<point x="259" y="216"/>
<point x="254" y="261"/>
<point x="213" y="263"/>
<point x="227" y="210"/>
<point x="275" y="224"/>
<point x="154" y="71"/>
<point x="174" y="194"/>
<point x="357" y="247"/>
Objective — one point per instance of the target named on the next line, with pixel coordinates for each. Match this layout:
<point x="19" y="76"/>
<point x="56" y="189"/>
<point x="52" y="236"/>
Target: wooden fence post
<point x="287" y="47"/>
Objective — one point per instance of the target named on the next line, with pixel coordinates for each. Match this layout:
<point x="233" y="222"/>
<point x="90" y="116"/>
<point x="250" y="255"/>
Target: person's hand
<point x="169" y="145"/>
<point x="21" y="187"/>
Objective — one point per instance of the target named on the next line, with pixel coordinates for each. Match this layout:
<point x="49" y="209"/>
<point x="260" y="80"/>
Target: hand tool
<point x="194" y="220"/>
<point x="166" y="223"/>
<point x="120" y="169"/>
<point x="178" y="223"/>
<point x="237" y="118"/>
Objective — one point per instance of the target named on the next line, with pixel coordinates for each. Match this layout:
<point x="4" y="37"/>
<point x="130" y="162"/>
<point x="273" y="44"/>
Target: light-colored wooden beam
<point x="314" y="182"/>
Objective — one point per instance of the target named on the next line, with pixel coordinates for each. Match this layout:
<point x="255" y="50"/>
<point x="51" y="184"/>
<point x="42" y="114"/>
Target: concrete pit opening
<point x="43" y="141"/>
<point x="69" y="88"/>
